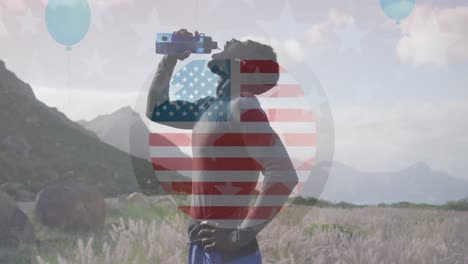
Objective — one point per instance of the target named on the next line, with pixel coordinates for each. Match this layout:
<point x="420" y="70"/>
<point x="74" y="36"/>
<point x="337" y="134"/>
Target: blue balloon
<point x="68" y="21"/>
<point x="398" y="9"/>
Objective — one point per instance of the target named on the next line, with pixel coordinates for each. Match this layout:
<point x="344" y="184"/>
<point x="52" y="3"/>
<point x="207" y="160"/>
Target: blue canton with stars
<point x="196" y="96"/>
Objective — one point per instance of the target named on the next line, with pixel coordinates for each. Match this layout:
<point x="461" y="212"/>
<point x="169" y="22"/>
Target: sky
<point x="397" y="92"/>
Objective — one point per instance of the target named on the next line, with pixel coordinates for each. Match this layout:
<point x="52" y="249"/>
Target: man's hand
<point x="222" y="239"/>
<point x="186" y="54"/>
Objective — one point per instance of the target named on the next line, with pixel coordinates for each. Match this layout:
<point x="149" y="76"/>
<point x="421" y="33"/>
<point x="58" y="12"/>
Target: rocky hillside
<point x="40" y="146"/>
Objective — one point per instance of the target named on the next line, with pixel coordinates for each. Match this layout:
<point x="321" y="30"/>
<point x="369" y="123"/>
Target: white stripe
<point x="231" y="152"/>
<point x="234" y="200"/>
<point x="250" y="127"/>
<point x="284" y="78"/>
<point x="278" y="103"/>
<point x="223" y="176"/>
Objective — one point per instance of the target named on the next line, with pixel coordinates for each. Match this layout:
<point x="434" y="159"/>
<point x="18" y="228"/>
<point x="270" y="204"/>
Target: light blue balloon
<point x="68" y="20"/>
<point x="398" y="9"/>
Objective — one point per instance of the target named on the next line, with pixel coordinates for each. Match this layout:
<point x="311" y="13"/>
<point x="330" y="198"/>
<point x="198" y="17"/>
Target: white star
<point x="184" y="69"/>
<point x="3" y="28"/>
<point x="184" y="91"/>
<point x="164" y="108"/>
<point x="216" y="3"/>
<point x="147" y="32"/>
<point x="191" y="84"/>
<point x="95" y="64"/>
<point x="191" y="96"/>
<point x="184" y="113"/>
<point x="228" y="189"/>
<point x="100" y="12"/>
<point x="203" y="74"/>
<point x="209" y="92"/>
<point x="158" y="113"/>
<point x="350" y="37"/>
<point x="191" y="74"/>
<point x="184" y="79"/>
<point x="195" y="80"/>
<point x="196" y="92"/>
<point x="195" y="69"/>
<point x="195" y="113"/>
<point x="285" y="27"/>
<point x="28" y="22"/>
<point x="178" y="74"/>
<point x="209" y="79"/>
<point x="171" y="113"/>
<point x="202" y="84"/>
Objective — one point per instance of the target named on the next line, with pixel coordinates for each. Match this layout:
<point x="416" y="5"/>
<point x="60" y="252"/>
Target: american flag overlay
<point x="244" y="143"/>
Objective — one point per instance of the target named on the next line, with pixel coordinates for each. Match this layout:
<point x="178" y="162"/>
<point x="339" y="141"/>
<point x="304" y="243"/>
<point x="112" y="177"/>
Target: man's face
<point x="233" y="49"/>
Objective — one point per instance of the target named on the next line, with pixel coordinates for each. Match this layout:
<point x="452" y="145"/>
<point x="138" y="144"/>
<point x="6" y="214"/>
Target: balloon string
<point x="68" y="86"/>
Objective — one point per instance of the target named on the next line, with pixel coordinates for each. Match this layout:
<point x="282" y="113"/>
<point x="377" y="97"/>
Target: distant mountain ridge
<point x="40" y="146"/>
<point x="125" y="130"/>
<point x="417" y="183"/>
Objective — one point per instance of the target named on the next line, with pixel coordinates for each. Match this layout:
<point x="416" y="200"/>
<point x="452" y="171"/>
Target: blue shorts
<point x="197" y="255"/>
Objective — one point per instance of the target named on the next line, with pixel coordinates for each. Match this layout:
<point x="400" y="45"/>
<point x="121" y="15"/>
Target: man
<point x="228" y="234"/>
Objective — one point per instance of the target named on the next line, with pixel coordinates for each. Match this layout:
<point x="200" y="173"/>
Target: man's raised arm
<point x="159" y="89"/>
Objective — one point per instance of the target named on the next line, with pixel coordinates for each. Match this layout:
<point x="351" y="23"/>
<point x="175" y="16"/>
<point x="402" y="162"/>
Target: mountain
<point x="40" y="146"/>
<point x="125" y="130"/>
<point x="417" y="183"/>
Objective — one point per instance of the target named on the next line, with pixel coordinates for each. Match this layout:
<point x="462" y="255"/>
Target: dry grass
<point x="366" y="235"/>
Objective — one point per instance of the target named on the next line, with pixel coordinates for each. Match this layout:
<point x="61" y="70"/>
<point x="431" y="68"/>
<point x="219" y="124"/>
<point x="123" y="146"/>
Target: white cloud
<point x="390" y="137"/>
<point x="434" y="36"/>
<point x="322" y="33"/>
<point x="317" y="36"/>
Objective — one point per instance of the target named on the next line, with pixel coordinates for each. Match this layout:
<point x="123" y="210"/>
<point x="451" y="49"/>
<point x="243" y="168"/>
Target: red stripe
<point x="279" y="91"/>
<point x="179" y="139"/>
<point x="261" y="66"/>
<point x="299" y="139"/>
<point x="240" y="188"/>
<point x="224" y="164"/>
<point x="277" y="115"/>
<point x="231" y="139"/>
<point x="230" y="212"/>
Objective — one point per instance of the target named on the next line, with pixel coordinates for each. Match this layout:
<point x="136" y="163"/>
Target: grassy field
<point x="301" y="234"/>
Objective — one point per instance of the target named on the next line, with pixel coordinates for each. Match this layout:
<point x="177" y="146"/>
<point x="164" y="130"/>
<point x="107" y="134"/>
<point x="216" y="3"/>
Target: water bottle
<point x="172" y="44"/>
